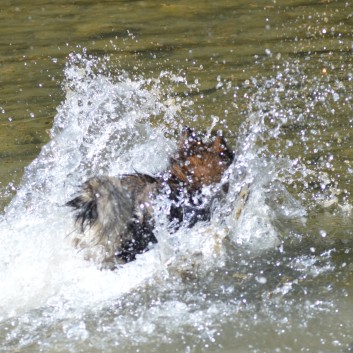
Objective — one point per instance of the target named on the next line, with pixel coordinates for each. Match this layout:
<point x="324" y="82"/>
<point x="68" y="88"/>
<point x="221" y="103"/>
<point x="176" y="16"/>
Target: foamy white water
<point x="92" y="134"/>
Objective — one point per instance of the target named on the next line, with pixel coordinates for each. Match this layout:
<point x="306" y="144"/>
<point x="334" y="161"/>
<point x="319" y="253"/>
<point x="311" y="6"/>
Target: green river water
<point x="290" y="60"/>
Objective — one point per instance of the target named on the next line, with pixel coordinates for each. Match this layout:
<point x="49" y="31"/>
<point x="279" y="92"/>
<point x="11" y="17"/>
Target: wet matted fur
<point x="115" y="217"/>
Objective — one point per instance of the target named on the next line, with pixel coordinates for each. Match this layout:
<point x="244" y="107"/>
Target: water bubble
<point x="323" y="233"/>
<point x="335" y="96"/>
<point x="261" y="280"/>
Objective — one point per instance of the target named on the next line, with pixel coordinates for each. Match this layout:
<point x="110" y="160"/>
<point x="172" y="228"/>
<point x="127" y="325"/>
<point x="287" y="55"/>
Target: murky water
<point x="115" y="82"/>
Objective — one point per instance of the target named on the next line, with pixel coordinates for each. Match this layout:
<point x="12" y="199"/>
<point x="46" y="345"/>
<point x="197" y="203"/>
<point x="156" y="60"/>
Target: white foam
<point x="91" y="134"/>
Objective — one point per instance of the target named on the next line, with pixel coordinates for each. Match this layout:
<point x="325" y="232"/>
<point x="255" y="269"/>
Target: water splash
<point x="100" y="128"/>
<point x="199" y="282"/>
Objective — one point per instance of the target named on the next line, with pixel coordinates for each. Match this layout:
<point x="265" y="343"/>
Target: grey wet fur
<point x="115" y="216"/>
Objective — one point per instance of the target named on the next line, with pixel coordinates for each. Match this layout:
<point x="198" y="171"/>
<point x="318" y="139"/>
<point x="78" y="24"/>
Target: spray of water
<point x="106" y="126"/>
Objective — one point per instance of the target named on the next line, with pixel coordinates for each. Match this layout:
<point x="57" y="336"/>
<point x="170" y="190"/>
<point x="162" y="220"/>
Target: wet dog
<point x="115" y="215"/>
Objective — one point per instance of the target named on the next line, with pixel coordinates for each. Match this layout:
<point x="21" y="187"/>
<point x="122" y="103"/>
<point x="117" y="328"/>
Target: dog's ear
<point x="186" y="133"/>
<point x="188" y="140"/>
<point x="221" y="148"/>
<point x="219" y="145"/>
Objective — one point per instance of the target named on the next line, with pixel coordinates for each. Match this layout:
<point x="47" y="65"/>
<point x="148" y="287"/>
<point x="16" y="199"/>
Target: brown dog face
<point x="198" y="162"/>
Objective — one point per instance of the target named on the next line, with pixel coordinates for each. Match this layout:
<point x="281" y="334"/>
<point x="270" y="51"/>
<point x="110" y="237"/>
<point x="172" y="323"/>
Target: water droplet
<point x="323" y="233"/>
<point x="261" y="280"/>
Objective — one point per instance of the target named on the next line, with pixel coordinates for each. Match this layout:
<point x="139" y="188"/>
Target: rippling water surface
<point x="105" y="88"/>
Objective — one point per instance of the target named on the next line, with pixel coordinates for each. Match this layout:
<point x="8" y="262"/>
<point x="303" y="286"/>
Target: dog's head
<point x="200" y="160"/>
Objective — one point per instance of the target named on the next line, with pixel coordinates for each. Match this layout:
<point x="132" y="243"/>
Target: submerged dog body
<point x="115" y="216"/>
